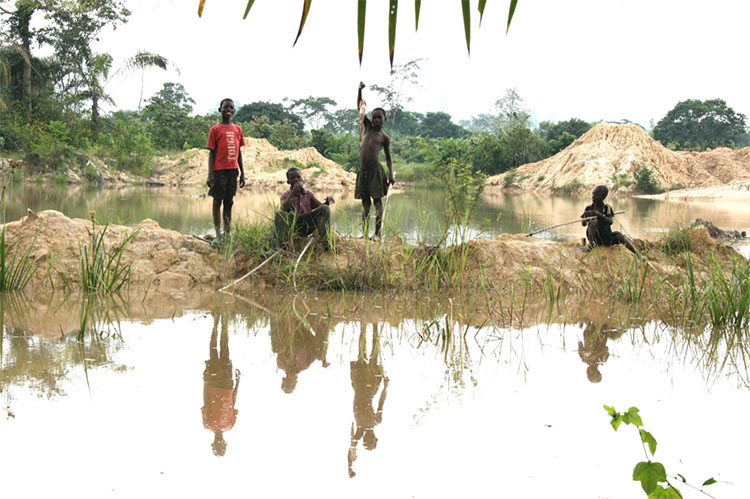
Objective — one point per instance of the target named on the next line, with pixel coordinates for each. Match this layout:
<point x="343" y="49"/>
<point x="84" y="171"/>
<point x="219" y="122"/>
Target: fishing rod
<point x="567" y="223"/>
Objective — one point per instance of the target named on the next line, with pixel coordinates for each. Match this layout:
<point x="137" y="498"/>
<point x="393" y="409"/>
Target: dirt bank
<point x="607" y="152"/>
<point x="165" y="260"/>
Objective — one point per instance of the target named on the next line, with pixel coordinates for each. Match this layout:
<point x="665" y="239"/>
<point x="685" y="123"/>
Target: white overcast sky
<point x="591" y="59"/>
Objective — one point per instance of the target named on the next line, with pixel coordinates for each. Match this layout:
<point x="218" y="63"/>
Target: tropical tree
<point x="439" y="126"/>
<point x="167" y="114"/>
<point x="393" y="96"/>
<point x="141" y="61"/>
<point x="314" y="110"/>
<point x="275" y="112"/>
<point x="697" y="125"/>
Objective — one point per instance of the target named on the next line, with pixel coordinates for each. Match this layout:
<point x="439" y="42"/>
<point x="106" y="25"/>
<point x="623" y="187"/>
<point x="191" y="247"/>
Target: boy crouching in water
<point x="371" y="179"/>
<point x="302" y="212"/>
<point x="224" y="161"/>
<point x="599" y="230"/>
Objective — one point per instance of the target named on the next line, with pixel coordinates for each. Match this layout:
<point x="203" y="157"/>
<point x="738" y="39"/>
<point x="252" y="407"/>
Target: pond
<point x="355" y="397"/>
<point x="416" y="214"/>
<point x="358" y="395"/>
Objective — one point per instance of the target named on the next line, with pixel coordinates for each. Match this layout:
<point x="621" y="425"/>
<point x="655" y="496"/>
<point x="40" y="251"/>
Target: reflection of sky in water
<point x="418" y="215"/>
<point x="513" y="413"/>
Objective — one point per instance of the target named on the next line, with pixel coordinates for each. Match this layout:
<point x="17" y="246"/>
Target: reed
<point x="102" y="269"/>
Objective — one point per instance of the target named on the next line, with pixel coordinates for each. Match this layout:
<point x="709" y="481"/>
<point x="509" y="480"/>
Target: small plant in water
<point x="102" y="269"/>
<point x="652" y="475"/>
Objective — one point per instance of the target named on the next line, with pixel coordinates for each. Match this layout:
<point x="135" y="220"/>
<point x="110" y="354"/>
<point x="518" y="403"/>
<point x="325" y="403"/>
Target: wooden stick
<point x="294" y="274"/>
<point x="249" y="273"/>
<point x="567" y="223"/>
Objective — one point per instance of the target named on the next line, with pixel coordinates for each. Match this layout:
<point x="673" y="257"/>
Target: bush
<point x="127" y="144"/>
<point x="645" y="181"/>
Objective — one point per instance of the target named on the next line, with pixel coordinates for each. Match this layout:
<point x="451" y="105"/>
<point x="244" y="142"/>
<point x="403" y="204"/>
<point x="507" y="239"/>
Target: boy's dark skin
<point x="369" y="158"/>
<point x="227" y="111"/>
<point x="598" y="230"/>
<point x="318" y="217"/>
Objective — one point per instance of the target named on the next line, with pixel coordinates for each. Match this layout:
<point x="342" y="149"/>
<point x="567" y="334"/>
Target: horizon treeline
<point x="51" y="109"/>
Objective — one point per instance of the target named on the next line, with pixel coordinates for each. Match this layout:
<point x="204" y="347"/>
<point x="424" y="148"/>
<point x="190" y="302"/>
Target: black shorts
<point x="225" y="184"/>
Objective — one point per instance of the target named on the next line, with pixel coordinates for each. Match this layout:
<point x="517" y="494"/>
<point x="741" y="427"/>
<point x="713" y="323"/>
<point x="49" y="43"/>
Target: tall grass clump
<point x="16" y="270"/>
<point x="676" y="240"/>
<point x="102" y="269"/>
<point x="728" y="295"/>
<point x="253" y="238"/>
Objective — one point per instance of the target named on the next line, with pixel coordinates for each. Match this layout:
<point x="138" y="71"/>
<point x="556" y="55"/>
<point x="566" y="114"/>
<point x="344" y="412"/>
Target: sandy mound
<point x="607" y="151"/>
<point x="265" y="167"/>
<point x="161" y="259"/>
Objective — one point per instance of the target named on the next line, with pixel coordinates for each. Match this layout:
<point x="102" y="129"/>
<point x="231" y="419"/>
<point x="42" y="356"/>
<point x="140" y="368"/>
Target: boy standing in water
<point x="372" y="182"/>
<point x="599" y="230"/>
<point x="224" y="161"/>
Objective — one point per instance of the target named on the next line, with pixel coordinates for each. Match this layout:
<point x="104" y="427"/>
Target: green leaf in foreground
<point x="247" y="9"/>
<point x="709" y="482"/>
<point x="361" y="12"/>
<point x="632" y="417"/>
<point x="480" y="8"/>
<point x="392" y="17"/>
<point x="305" y="11"/>
<point x="417" y="7"/>
<point x="649" y="474"/>
<point x="649" y="439"/>
<point x="511" y="11"/>
<point x="662" y="493"/>
<point x="610" y="410"/>
<point x="465" y="8"/>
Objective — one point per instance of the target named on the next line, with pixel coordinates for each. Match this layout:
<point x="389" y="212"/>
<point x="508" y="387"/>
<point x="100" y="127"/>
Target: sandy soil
<point x="265" y="167"/>
<point x="607" y="151"/>
<point x="165" y="260"/>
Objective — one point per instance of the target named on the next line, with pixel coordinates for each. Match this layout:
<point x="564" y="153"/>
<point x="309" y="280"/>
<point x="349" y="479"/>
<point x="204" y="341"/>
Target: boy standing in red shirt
<point x="224" y="160"/>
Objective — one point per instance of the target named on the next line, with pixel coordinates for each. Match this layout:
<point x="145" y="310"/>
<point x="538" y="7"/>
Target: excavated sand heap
<point x="609" y="150"/>
<point x="265" y="166"/>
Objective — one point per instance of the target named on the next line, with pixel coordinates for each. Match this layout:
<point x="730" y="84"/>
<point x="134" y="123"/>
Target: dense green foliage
<point x="697" y="125"/>
<point x="53" y="115"/>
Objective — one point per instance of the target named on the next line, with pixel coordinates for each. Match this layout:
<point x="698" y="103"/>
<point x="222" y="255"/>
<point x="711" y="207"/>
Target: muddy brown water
<point x="354" y="397"/>
<point x="493" y="412"/>
<point x="416" y="214"/>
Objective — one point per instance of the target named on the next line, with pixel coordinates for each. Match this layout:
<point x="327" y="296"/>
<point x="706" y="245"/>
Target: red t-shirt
<point x="220" y="415"/>
<point x="226" y="141"/>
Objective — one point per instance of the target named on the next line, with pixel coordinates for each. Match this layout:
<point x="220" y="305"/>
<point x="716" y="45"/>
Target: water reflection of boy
<point x="593" y="349"/>
<point x="219" y="388"/>
<point x="599" y="230"/>
<point x="297" y="346"/>
<point x="366" y="375"/>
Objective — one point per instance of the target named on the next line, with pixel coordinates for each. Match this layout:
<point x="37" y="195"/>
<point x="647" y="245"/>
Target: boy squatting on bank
<point x="301" y="212"/>
<point x="224" y="160"/>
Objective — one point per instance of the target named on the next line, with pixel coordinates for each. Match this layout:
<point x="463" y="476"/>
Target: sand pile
<point x="265" y="167"/>
<point x="607" y="151"/>
<point x="162" y="259"/>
